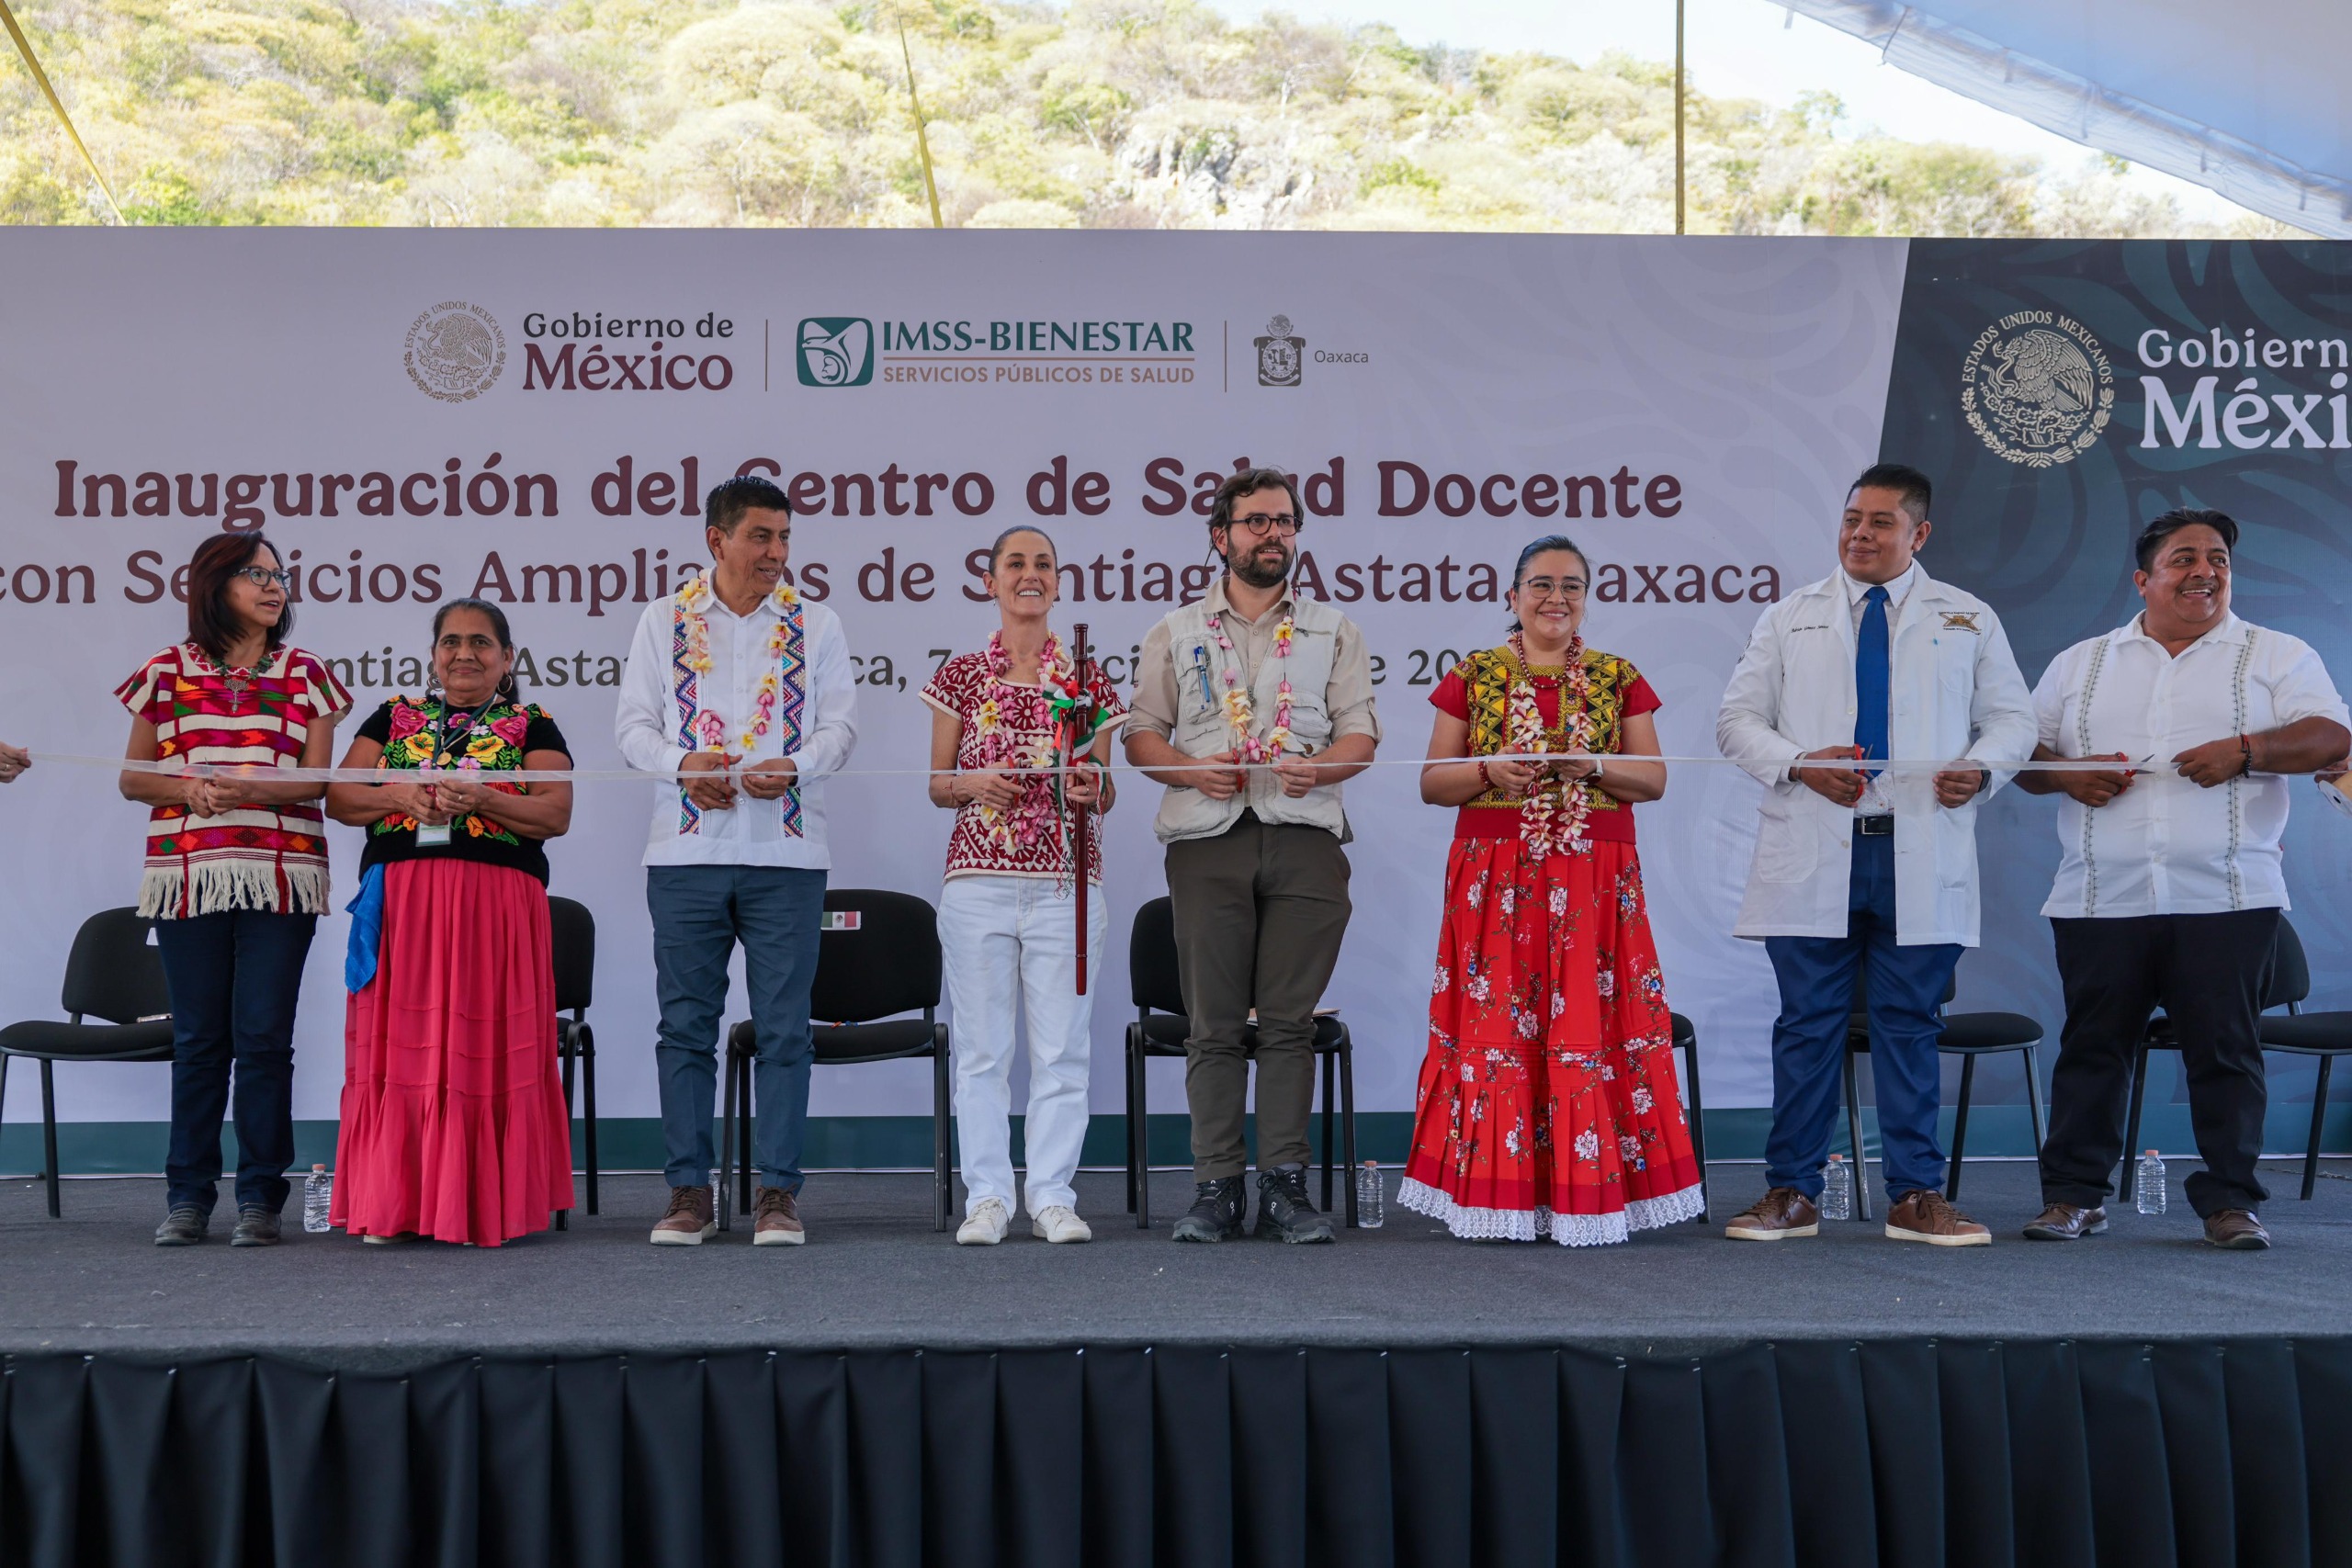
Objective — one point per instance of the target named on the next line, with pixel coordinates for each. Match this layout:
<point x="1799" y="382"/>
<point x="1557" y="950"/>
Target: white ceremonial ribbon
<point x="177" y="769"/>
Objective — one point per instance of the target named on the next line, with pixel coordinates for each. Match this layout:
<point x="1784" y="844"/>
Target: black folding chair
<point x="1686" y="1039"/>
<point x="111" y="973"/>
<point x="1159" y="1030"/>
<point x="2325" y="1035"/>
<point x="1967" y="1036"/>
<point x="573" y="930"/>
<point x="878" y="956"/>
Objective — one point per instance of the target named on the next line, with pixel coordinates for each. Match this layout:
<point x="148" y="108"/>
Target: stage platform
<point x="875" y="1275"/>
<point x="883" y="1396"/>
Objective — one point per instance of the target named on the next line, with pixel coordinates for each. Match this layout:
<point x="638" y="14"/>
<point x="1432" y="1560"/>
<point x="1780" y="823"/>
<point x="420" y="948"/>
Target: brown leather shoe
<point x="690" y="1218"/>
<point x="1780" y="1215"/>
<point x="2063" y="1221"/>
<point x="776" y="1219"/>
<point x="1928" y="1215"/>
<point x="2235" y="1230"/>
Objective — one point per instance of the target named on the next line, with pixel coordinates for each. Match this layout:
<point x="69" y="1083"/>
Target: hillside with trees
<point x="1101" y="114"/>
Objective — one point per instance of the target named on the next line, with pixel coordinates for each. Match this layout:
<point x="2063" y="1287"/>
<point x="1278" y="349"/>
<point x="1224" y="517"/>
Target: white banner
<point x="526" y="416"/>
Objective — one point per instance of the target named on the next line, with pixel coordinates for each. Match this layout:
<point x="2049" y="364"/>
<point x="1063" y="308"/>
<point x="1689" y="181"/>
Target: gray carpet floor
<point x="874" y="1274"/>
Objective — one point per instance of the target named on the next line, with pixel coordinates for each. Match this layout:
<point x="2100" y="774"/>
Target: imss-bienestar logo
<point x="835" y="351"/>
<point x="942" y="350"/>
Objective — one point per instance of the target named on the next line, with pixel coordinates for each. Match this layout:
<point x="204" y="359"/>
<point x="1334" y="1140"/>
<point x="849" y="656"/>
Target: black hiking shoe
<point x="1283" y="1213"/>
<point x="1215" y="1212"/>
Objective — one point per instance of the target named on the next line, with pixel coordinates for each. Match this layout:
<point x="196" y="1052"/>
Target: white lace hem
<point x="1568" y="1230"/>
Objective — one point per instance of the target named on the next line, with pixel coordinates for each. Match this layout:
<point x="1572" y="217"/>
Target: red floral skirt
<point x="454" y="1124"/>
<point x="1548" y="1104"/>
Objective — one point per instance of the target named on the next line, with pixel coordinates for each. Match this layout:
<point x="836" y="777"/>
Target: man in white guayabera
<point x="1864" y="878"/>
<point x="1252" y="705"/>
<point x="2171" y="882"/>
<point x="736" y="670"/>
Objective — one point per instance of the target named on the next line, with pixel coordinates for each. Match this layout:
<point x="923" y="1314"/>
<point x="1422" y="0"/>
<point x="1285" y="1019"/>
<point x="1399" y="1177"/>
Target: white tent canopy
<point x="2243" y="97"/>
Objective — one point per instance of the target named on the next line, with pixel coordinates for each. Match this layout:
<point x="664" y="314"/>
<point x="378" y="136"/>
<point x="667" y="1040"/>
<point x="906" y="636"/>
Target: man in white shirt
<point x="736" y="670"/>
<point x="2171" y="884"/>
<point x="1861" y="875"/>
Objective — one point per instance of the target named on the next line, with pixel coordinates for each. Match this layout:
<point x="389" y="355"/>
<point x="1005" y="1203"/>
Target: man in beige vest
<point x="1251" y="706"/>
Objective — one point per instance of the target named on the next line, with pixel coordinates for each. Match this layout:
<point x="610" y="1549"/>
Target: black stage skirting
<point x="882" y="1397"/>
<point x="1813" y="1453"/>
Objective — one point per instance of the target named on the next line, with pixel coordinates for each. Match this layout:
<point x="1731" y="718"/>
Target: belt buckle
<point x="1874" y="826"/>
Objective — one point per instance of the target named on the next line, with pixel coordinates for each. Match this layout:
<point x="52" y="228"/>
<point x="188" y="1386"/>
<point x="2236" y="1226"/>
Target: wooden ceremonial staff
<point x="1078" y="851"/>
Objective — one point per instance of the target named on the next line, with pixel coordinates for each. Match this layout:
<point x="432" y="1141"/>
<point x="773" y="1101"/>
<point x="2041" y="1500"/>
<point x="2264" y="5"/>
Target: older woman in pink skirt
<point x="454" y="1124"/>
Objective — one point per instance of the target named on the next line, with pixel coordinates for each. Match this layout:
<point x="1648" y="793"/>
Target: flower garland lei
<point x="1553" y="820"/>
<point x="709" y="727"/>
<point x="1239" y="713"/>
<point x="1034" y="816"/>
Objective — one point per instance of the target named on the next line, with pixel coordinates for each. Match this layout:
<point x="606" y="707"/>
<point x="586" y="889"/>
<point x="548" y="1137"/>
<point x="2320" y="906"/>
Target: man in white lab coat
<point x="1857" y="869"/>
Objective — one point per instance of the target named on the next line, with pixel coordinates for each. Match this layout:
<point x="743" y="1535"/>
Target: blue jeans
<point x="235" y="979"/>
<point x="700" y="912"/>
<point x="1906" y="987"/>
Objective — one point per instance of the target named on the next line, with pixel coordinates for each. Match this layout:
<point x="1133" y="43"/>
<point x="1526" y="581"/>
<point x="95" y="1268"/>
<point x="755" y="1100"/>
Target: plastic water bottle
<point x="2148" y="1186"/>
<point x="1837" y="1191"/>
<point x="318" y="1197"/>
<point x="1368" y="1196"/>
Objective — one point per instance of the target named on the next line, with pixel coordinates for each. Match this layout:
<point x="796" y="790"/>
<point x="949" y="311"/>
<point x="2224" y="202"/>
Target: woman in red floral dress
<point x="1548" y="1104"/>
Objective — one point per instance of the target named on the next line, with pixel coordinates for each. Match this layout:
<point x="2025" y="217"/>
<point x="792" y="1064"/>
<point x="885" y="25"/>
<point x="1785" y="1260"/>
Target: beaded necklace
<point x="1553" y="820"/>
<point x="1239" y="713"/>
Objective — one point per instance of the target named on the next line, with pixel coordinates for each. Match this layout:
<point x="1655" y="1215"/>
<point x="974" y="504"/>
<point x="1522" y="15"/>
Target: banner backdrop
<point x="527" y="416"/>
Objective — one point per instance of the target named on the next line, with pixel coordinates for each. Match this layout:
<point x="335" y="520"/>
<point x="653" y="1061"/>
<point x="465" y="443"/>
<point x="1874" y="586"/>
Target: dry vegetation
<point x="1104" y="113"/>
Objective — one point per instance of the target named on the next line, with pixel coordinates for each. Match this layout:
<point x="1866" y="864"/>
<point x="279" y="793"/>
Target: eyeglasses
<point x="262" y="576"/>
<point x="1538" y="589"/>
<point x="1280" y="523"/>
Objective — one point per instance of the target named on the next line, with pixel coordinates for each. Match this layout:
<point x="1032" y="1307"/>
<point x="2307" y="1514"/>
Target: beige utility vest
<point x="1202" y="730"/>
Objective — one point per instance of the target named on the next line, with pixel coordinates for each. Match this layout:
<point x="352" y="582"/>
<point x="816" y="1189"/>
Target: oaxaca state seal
<point x="1281" y="356"/>
<point x="2037" y="388"/>
<point x="455" y="352"/>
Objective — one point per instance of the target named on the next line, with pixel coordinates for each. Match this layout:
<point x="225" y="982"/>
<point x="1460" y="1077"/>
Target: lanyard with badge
<point x="435" y="835"/>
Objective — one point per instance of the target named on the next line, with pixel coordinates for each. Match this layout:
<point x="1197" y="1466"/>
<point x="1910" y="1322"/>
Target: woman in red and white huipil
<point x="236" y="873"/>
<point x="1547" y="1103"/>
<point x="1008" y="915"/>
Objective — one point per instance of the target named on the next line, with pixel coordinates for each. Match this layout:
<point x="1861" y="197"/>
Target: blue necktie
<point x="1870" y="680"/>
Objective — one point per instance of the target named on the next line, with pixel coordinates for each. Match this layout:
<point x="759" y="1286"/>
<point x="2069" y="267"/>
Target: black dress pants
<point x="2209" y="973"/>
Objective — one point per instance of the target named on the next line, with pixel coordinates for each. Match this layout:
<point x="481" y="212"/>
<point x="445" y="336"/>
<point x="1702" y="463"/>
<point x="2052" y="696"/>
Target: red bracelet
<point x="1486" y="783"/>
<point x="2245" y="752"/>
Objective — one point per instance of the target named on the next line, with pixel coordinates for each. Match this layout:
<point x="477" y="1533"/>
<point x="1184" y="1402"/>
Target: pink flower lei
<point x="710" y="728"/>
<point x="1239" y="712"/>
<point x="1552" y="821"/>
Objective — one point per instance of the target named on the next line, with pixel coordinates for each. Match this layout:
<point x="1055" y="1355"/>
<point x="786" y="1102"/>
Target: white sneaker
<point x="1059" y="1223"/>
<point x="985" y="1226"/>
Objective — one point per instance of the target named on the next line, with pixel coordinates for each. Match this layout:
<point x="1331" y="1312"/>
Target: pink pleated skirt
<point x="454" y="1124"/>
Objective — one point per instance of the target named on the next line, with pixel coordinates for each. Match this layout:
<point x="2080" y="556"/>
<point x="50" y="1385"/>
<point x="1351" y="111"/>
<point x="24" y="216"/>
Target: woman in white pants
<point x="1007" y="916"/>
